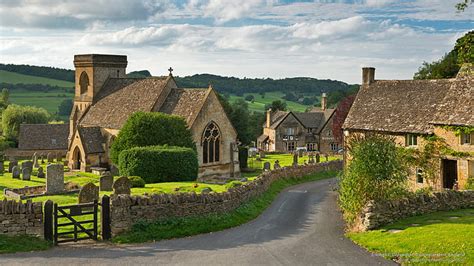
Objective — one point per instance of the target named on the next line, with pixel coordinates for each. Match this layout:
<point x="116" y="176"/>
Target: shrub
<point x="150" y="129"/>
<point x="15" y="115"/>
<point x="136" y="181"/>
<point x="376" y="171"/>
<point x="159" y="163"/>
<point x="470" y="183"/>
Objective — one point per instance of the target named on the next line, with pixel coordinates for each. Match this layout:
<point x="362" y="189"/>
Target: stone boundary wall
<point x="18" y="218"/>
<point x="377" y="214"/>
<point x="126" y="210"/>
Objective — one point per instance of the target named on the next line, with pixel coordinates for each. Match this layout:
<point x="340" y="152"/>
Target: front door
<point x="450" y="173"/>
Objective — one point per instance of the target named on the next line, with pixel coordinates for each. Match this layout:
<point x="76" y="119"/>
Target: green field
<point x="258" y="105"/>
<point x="48" y="100"/>
<point x="15" y="78"/>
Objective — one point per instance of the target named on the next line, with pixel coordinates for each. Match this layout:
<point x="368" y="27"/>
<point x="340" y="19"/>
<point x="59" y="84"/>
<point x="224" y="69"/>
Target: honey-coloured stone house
<point x="410" y="111"/>
<point x="105" y="98"/>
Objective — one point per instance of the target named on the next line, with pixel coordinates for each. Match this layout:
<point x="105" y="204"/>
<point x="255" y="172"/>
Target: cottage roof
<point x="316" y="119"/>
<point x="120" y="97"/>
<point x="185" y="103"/>
<point x="43" y="137"/>
<point x="397" y="105"/>
<point x="92" y="139"/>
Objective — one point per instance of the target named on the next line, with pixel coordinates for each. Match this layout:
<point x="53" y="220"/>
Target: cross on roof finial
<point x="170" y="70"/>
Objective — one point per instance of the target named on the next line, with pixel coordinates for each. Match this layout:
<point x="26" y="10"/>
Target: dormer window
<point x="466" y="139"/>
<point x="411" y="140"/>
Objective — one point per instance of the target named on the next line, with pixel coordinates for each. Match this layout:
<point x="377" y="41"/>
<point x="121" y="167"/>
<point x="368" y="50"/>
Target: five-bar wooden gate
<point x="72" y="214"/>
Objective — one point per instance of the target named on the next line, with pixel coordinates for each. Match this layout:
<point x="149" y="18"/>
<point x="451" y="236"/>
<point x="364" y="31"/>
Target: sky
<point x="243" y="38"/>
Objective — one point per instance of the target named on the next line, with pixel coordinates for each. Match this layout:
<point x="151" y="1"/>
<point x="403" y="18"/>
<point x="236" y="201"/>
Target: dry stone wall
<point x="377" y="214"/>
<point x="127" y="210"/>
<point x="17" y="218"/>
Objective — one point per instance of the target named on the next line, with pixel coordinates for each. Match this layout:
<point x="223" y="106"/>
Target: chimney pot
<point x="269" y="111"/>
<point x="368" y="75"/>
<point x="324" y="101"/>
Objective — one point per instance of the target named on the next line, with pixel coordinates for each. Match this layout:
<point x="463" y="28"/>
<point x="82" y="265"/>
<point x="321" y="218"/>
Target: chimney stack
<point x="368" y="75"/>
<point x="269" y="111"/>
<point x="324" y="101"/>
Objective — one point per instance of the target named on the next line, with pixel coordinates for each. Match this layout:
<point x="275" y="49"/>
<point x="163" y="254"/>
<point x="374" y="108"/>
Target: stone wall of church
<point x="17" y="218"/>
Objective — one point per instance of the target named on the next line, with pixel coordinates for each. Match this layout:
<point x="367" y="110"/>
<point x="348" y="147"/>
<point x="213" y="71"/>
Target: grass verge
<point x="188" y="226"/>
<point x="438" y="238"/>
<point x="22" y="243"/>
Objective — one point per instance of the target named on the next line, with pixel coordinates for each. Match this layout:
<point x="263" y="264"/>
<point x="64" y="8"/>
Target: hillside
<point x="16" y="78"/>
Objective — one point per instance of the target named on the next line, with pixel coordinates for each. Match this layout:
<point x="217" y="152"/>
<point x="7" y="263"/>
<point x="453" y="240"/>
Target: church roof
<point x="92" y="139"/>
<point x="398" y="105"/>
<point x="120" y="97"/>
<point x="43" y="137"/>
<point x="185" y="103"/>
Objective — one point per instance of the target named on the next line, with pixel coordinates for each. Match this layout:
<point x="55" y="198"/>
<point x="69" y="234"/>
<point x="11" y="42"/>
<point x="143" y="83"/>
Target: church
<point x="105" y="97"/>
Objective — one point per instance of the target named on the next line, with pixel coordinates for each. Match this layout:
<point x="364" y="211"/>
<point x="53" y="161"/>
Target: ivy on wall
<point x="458" y="130"/>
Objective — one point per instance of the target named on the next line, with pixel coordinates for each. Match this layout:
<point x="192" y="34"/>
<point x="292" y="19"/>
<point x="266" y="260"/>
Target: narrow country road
<point x="302" y="227"/>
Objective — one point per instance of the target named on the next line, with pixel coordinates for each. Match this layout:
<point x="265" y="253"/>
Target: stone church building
<point x="105" y="98"/>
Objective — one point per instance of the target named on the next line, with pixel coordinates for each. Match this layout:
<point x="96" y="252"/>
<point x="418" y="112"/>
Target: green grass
<point x="437" y="238"/>
<point x="16" y="78"/>
<point x="22" y="243"/>
<point x="48" y="100"/>
<point x="258" y="105"/>
<point x="181" y="227"/>
<point x="284" y="158"/>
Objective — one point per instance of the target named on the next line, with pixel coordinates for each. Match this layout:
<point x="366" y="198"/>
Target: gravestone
<point x="11" y="165"/>
<point x="295" y="159"/>
<point x="16" y="172"/>
<point x="300" y="153"/>
<point x="326" y="156"/>
<point x="261" y="154"/>
<point x="26" y="173"/>
<point x="122" y="186"/>
<point x="276" y="165"/>
<point x="114" y="171"/>
<point x="318" y="158"/>
<point x="42" y="158"/>
<point x="34" y="156"/>
<point x="26" y="164"/>
<point x="54" y="178"/>
<point x="49" y="157"/>
<point x="40" y="172"/>
<point x="89" y="193"/>
<point x="311" y="158"/>
<point x="106" y="182"/>
<point x="266" y="166"/>
<point x="2" y="167"/>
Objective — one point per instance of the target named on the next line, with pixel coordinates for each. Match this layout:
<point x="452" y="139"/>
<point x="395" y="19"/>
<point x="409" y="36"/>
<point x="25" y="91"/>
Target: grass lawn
<point x="181" y="227"/>
<point x="258" y="105"/>
<point x="11" y="244"/>
<point x="48" y="100"/>
<point x="284" y="158"/>
<point x="442" y="237"/>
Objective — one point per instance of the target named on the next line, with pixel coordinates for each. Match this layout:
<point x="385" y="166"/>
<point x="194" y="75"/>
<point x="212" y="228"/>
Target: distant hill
<point x="40" y="71"/>
<point x="16" y="78"/>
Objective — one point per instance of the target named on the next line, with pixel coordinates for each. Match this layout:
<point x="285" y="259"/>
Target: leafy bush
<point x="136" y="181"/>
<point x="15" y="115"/>
<point x="470" y="183"/>
<point x="150" y="129"/>
<point x="159" y="163"/>
<point x="377" y="171"/>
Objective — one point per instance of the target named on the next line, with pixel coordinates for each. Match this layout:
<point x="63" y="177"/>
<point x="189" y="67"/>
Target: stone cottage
<point x="285" y="131"/>
<point x="105" y="98"/>
<point x="412" y="110"/>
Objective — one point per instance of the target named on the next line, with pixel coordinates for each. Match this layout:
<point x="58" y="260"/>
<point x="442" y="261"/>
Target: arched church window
<point x="84" y="82"/>
<point x="211" y="143"/>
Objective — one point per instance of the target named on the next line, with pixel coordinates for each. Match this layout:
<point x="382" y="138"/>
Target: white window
<point x="411" y="140"/>
<point x="465" y="139"/>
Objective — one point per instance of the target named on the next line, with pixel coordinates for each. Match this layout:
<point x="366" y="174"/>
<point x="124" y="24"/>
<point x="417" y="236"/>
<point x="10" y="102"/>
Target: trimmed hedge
<point x="159" y="163"/>
<point x="150" y="129"/>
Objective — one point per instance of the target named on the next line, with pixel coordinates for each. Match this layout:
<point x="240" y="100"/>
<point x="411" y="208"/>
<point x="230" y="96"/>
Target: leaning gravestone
<point x="49" y="157"/>
<point x="54" y="178"/>
<point x="11" y="165"/>
<point x="89" y="193"/>
<point x="122" y="186"/>
<point x="40" y="172"/>
<point x="26" y="164"/>
<point x="266" y="166"/>
<point x="106" y="182"/>
<point x="16" y="172"/>
<point x="26" y="174"/>
<point x="295" y="159"/>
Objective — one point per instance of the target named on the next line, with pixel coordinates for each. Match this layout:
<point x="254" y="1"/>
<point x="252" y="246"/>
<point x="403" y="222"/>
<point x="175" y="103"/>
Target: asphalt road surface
<point x="302" y="227"/>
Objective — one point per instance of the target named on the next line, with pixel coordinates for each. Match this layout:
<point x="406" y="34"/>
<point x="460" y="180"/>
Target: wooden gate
<point x="83" y="218"/>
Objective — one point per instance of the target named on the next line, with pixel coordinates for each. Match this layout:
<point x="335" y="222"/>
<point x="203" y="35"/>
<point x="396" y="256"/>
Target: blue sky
<point x="248" y="38"/>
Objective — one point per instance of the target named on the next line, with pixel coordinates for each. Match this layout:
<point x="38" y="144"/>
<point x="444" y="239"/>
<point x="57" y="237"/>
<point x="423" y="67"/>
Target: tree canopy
<point x="14" y="115"/>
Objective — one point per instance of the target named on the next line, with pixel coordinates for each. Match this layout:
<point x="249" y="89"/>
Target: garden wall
<point x="17" y="218"/>
<point x="127" y="210"/>
<point x="376" y="214"/>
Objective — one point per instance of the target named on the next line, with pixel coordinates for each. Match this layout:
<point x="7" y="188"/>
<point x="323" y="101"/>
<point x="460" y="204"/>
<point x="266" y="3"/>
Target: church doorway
<point x="76" y="158"/>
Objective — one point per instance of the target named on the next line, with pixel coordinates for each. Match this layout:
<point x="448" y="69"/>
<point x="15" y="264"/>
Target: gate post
<point x="105" y="215"/>
<point x="48" y="220"/>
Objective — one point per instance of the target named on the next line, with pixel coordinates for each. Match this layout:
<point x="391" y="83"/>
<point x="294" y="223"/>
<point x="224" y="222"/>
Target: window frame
<point x="211" y="142"/>
<point x="411" y="140"/>
<point x="463" y="137"/>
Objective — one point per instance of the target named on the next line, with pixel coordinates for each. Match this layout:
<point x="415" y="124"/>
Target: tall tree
<point x="15" y="115"/>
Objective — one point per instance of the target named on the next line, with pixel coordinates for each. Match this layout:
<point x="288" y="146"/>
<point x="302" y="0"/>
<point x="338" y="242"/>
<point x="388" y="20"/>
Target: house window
<point x="334" y="147"/>
<point x="419" y="176"/>
<point x="290" y="131"/>
<point x="312" y="146"/>
<point x="310" y="130"/>
<point x="411" y="140"/>
<point x="291" y="146"/>
<point x="465" y="139"/>
<point x="211" y="144"/>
